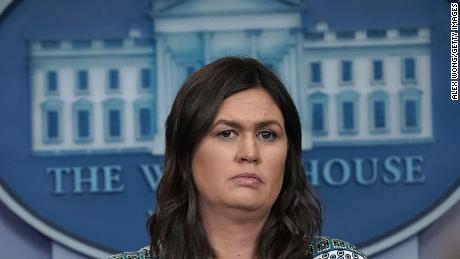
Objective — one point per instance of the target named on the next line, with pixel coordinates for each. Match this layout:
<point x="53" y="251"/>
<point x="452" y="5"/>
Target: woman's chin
<point x="246" y="202"/>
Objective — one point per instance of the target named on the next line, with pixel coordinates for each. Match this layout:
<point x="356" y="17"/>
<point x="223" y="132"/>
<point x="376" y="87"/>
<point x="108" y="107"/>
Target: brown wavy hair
<point x="175" y="229"/>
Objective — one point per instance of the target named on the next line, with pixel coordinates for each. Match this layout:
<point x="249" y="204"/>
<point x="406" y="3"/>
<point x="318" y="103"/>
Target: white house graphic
<point x="362" y="87"/>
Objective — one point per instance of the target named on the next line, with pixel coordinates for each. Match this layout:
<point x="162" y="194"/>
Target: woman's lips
<point x="249" y="179"/>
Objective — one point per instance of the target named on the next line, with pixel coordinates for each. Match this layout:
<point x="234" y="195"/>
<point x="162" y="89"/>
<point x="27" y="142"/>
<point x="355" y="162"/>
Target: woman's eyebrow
<point x="238" y="125"/>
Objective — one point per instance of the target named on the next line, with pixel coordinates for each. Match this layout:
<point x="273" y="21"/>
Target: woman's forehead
<point x="254" y="105"/>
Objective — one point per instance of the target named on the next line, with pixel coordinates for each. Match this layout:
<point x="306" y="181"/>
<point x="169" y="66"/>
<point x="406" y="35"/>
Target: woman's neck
<point x="233" y="233"/>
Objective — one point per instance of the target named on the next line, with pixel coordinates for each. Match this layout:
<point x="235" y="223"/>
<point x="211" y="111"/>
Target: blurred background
<point x="86" y="87"/>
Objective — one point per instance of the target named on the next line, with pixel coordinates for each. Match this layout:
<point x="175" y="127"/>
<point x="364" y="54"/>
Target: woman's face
<point x="240" y="162"/>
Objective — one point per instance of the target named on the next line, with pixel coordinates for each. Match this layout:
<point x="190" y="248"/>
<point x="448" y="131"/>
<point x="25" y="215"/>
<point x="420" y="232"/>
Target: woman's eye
<point x="227" y="134"/>
<point x="267" y="135"/>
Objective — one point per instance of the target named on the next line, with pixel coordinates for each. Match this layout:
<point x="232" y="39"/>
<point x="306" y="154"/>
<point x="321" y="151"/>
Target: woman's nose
<point x="248" y="150"/>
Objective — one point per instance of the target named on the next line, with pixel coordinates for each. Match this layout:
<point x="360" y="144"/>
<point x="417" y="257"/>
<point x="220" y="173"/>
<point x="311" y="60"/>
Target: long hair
<point x="175" y="229"/>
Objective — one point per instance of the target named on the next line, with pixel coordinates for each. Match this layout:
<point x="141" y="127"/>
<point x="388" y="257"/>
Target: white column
<point x="292" y="72"/>
<point x="298" y="88"/>
<point x="170" y="87"/>
<point x="206" y="40"/>
<point x="162" y="100"/>
<point x="300" y="79"/>
<point x="284" y="68"/>
<point x="253" y="37"/>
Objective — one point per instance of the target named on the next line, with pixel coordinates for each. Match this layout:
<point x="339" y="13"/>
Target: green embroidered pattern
<point x="326" y="247"/>
<point x="320" y="248"/>
<point x="143" y="253"/>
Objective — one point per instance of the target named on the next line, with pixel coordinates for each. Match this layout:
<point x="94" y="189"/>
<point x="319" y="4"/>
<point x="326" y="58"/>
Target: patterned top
<point x="321" y="248"/>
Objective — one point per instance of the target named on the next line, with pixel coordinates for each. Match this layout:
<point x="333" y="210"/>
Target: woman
<point x="233" y="183"/>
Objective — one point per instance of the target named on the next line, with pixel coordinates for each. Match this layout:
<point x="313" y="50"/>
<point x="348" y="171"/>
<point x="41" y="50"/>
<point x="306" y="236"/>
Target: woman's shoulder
<point x="143" y="253"/>
<point x="320" y="248"/>
<point x="328" y="248"/>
